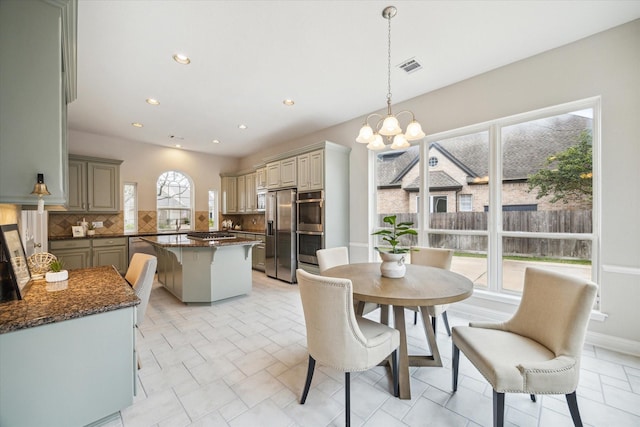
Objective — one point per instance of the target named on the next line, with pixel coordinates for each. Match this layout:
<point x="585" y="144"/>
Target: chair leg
<point x="446" y="322"/>
<point x="394" y="370"/>
<point x="498" y="409"/>
<point x="533" y="397"/>
<point x="572" y="400"/>
<point x="347" y="398"/>
<point x="454" y="363"/>
<point x="433" y="324"/>
<point x="307" y="385"/>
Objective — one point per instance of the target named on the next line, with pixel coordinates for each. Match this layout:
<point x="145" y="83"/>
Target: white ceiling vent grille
<point x="410" y="65"/>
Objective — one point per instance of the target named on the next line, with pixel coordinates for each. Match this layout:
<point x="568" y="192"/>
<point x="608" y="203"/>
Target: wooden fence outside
<point x="561" y="221"/>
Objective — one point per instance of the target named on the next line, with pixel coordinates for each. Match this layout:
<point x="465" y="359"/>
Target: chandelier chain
<point x="389" y="61"/>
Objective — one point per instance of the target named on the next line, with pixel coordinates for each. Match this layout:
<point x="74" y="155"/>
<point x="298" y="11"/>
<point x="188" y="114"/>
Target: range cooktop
<point x="210" y="235"/>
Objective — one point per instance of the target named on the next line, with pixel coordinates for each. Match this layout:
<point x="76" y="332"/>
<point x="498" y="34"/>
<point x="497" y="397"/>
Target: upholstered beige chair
<point x="333" y="257"/>
<point x="140" y="273"/>
<point x="433" y="257"/>
<point x="538" y="350"/>
<point x="339" y="339"/>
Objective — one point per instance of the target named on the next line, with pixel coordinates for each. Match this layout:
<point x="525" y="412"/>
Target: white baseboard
<point x="621" y="345"/>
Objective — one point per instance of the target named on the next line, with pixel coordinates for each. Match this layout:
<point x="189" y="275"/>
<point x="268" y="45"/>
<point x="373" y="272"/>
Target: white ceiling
<point x="330" y="57"/>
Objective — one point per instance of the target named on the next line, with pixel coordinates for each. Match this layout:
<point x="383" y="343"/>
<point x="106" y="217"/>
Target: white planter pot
<point x="58" y="276"/>
<point x="392" y="265"/>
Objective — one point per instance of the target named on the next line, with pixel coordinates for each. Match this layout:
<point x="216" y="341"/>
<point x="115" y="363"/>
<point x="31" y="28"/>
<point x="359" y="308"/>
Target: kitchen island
<point x="67" y="350"/>
<point x="203" y="271"/>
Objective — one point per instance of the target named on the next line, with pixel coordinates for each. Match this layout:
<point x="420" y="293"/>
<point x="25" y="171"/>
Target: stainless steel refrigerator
<point x="280" y="222"/>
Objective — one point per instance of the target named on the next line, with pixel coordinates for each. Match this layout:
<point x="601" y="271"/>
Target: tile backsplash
<point x="60" y="223"/>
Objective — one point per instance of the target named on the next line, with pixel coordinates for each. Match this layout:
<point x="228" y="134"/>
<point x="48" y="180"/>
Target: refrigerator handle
<point x="269" y="228"/>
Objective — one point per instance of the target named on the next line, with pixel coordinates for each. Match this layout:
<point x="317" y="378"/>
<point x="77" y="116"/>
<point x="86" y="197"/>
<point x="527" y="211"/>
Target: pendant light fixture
<point x="389" y="126"/>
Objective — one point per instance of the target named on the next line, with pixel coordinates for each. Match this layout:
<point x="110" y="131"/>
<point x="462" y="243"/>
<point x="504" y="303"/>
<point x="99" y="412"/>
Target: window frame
<point x="135" y="207"/>
<point x="494" y="232"/>
<point x="190" y="209"/>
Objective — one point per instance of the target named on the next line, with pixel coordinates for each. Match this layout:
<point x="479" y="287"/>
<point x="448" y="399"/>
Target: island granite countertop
<point x="181" y="241"/>
<point x="87" y="291"/>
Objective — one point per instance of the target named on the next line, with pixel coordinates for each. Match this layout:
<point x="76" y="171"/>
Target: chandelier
<point x="389" y="126"/>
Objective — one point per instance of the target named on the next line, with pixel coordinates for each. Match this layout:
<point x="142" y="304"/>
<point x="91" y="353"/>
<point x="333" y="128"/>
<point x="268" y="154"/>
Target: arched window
<point x="174" y="201"/>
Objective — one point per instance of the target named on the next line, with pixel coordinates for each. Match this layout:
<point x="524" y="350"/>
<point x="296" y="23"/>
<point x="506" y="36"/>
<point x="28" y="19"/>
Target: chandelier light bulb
<point x="414" y="131"/>
<point x="377" y="143"/>
<point x="400" y="141"/>
<point x="390" y="126"/>
<point x="366" y="135"/>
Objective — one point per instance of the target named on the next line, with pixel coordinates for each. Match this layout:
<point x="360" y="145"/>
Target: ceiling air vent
<point x="410" y="65"/>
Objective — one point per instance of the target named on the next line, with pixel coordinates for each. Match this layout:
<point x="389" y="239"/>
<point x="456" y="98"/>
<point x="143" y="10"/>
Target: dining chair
<point x="339" y="339"/>
<point x="433" y="257"/>
<point x="140" y="274"/>
<point x="333" y="257"/>
<point x="538" y="350"/>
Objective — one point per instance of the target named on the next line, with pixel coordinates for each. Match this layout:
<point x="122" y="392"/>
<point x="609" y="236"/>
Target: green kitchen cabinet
<point x="38" y="79"/>
<point x="94" y="185"/>
<point x="73" y="253"/>
<point x="110" y="252"/>
<point x="95" y="252"/>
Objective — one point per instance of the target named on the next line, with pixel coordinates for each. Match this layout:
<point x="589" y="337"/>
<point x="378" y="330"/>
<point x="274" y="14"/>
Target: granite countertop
<point x="181" y="241"/>
<point x="87" y="291"/>
<point x="112" y="236"/>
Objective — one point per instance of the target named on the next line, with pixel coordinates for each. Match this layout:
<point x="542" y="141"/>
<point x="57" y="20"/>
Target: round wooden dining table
<point x="421" y="287"/>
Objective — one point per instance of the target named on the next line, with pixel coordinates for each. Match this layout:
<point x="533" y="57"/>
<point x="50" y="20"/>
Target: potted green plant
<point x="393" y="257"/>
<point x="57" y="272"/>
<point x="91" y="230"/>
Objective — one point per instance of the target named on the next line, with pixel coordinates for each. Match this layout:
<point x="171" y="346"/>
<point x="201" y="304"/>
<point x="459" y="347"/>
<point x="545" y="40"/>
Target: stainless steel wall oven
<point x="310" y="227"/>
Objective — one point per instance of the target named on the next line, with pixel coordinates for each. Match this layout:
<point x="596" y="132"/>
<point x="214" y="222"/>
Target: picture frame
<point x="13" y="250"/>
<point x="77" y="230"/>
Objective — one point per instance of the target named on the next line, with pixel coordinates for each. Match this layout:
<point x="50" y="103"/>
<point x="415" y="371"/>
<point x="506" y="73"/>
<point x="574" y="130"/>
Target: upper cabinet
<point x="282" y="173"/>
<point x="242" y="194"/>
<point x="94" y="185"/>
<point x="250" y="193"/>
<point x="311" y="171"/>
<point x="39" y="37"/>
<point x="229" y="195"/>
<point x="261" y="178"/>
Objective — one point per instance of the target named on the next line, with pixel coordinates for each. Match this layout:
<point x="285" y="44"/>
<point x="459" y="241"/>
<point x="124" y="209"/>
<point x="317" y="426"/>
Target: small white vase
<point x="392" y="265"/>
<point x="57" y="276"/>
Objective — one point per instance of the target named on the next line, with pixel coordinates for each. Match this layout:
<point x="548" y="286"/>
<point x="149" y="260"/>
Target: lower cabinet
<point x="84" y="253"/>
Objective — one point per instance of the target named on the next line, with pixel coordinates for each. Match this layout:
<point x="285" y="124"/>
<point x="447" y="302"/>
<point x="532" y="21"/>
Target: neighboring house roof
<point x="526" y="146"/>
<point x="438" y="181"/>
<point x="395" y="165"/>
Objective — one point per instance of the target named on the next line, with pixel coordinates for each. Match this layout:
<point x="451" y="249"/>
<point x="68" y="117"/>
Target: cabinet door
<point x="242" y="193"/>
<point x="74" y="258"/>
<point x="316" y="170"/>
<point x="273" y="175"/>
<point x="288" y="172"/>
<point x="303" y="172"/>
<point x="77" y="182"/>
<point x="250" y="193"/>
<point x="111" y="255"/>
<point x="261" y="178"/>
<point x="103" y="183"/>
<point x="229" y="194"/>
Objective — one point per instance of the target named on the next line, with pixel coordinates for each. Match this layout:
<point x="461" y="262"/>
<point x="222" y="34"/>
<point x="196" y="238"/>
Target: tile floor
<point x="243" y="363"/>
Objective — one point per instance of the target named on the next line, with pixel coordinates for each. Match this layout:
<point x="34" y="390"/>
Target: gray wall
<point x="606" y="65"/>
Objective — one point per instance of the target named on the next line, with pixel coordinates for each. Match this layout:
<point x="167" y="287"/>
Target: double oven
<point x="310" y="227"/>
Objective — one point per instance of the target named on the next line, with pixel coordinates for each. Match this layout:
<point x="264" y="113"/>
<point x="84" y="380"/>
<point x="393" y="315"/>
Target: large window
<point x="174" y="201"/>
<point x="504" y="195"/>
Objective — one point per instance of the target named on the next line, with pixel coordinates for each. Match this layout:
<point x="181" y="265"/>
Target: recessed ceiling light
<point x="288" y="102"/>
<point x="215" y="141"/>
<point x="178" y="146"/>
<point x="153" y="101"/>
<point x="137" y="125"/>
<point x="181" y="59"/>
<point x="242" y="126"/>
